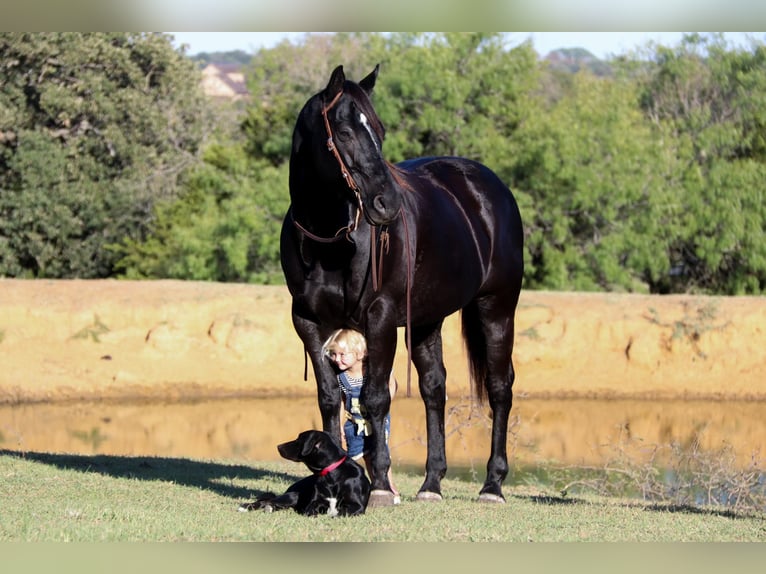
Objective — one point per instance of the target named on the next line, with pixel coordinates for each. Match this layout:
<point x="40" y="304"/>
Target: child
<point x="347" y="349"/>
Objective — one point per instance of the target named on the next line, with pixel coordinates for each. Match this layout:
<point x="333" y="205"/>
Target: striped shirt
<point x="352" y="389"/>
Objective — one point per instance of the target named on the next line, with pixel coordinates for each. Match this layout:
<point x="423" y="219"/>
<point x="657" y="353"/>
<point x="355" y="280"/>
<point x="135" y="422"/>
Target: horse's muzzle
<point x="383" y="208"/>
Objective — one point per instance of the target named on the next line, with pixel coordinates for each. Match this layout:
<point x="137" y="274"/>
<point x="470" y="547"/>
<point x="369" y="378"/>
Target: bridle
<point x="334" y="150"/>
<point x="346" y="231"/>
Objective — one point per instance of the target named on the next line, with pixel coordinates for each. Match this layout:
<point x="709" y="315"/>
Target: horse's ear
<point x="368" y="83"/>
<point x="335" y="84"/>
<point x="297" y="141"/>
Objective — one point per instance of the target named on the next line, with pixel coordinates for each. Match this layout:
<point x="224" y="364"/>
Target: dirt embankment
<point x="88" y="339"/>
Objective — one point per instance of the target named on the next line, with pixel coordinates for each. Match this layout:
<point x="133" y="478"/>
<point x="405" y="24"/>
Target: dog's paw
<point x="333" y="509"/>
<point x="257" y="505"/>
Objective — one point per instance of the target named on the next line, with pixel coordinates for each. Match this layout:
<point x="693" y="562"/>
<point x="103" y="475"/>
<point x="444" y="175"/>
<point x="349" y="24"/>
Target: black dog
<point x="338" y="487"/>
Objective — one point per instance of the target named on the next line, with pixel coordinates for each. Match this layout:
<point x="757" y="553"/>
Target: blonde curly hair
<point x="346" y="340"/>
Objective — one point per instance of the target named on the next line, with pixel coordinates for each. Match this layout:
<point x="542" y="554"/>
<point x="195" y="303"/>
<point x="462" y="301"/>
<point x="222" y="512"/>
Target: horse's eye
<point x="345" y="134"/>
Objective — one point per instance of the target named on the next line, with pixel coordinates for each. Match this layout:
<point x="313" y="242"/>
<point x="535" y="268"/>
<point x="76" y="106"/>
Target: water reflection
<point x="575" y="431"/>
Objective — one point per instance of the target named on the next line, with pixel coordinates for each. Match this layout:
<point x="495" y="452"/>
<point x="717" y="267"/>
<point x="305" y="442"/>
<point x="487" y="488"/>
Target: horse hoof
<point x="426" y="496"/>
<point x="491" y="498"/>
<point x="380" y="498"/>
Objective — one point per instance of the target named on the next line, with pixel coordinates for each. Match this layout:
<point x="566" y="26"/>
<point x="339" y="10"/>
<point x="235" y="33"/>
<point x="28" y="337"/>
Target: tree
<point x="95" y="128"/>
<point x="589" y="175"/>
<point x="707" y="103"/>
<point x="225" y="227"/>
<point x="453" y="94"/>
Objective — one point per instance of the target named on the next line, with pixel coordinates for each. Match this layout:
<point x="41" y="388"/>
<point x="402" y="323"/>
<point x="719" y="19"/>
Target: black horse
<point x="375" y="246"/>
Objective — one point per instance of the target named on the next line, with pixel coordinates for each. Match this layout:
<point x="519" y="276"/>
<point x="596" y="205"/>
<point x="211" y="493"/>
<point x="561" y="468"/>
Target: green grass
<point x="55" y="497"/>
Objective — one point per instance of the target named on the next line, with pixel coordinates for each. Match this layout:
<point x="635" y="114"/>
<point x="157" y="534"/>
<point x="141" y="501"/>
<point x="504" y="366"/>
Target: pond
<point x="544" y="432"/>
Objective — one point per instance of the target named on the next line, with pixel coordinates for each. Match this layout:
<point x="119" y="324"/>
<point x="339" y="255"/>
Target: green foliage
<point x="587" y="168"/>
<point x="225" y="227"/>
<point x="638" y="174"/>
<point x="471" y="107"/>
<point x="94" y="129"/>
<point x="706" y="102"/>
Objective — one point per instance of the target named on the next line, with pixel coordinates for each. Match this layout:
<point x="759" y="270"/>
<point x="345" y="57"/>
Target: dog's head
<point x="314" y="448"/>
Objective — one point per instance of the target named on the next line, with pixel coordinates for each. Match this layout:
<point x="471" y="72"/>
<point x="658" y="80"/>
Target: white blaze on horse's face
<point x="365" y="123"/>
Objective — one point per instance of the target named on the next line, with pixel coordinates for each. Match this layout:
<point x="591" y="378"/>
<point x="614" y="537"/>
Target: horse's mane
<point x="398" y="174"/>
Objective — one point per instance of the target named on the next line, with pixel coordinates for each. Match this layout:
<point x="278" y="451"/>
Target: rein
<point x="342" y="233"/>
<point x="346" y="231"/>
<point x="377" y="279"/>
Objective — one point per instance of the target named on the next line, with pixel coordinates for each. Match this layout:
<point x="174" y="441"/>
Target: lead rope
<point x="408" y="331"/>
<point x="377" y="259"/>
<point x="377" y="279"/>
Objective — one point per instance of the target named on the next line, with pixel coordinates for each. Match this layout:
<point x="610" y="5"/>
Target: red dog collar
<point x="332" y="467"/>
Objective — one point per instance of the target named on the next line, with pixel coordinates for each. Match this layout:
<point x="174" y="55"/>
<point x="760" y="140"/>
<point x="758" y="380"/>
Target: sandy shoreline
<point x="124" y="339"/>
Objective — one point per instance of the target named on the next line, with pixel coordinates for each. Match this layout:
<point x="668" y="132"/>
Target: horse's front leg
<point x="328" y="392"/>
<point x="432" y="375"/>
<point x="328" y="396"/>
<point x="379" y="458"/>
<point x="376" y="397"/>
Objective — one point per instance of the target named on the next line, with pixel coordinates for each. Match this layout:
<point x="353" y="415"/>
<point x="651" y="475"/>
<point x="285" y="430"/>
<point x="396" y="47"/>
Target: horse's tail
<point x="476" y="346"/>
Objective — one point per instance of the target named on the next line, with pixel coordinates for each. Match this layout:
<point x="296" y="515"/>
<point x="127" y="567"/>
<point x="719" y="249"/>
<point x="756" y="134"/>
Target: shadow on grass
<point x="212" y="476"/>
<point x="547" y="499"/>
<point x="648" y="506"/>
<point x="689" y="509"/>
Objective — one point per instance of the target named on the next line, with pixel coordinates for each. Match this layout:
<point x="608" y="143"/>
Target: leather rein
<point x="346" y="231"/>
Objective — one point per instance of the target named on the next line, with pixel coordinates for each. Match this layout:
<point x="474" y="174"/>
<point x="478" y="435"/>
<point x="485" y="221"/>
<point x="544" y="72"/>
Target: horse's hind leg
<point x="428" y="359"/>
<point x="488" y="325"/>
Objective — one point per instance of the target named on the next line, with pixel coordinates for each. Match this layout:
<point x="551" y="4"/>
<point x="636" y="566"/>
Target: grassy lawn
<point x="55" y="497"/>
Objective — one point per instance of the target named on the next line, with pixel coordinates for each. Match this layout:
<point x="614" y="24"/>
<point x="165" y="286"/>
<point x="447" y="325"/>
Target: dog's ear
<point x="313" y="440"/>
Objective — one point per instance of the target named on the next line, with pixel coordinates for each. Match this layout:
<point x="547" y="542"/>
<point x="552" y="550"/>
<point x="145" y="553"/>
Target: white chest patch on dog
<point x="333" y="510"/>
<point x="366" y="124"/>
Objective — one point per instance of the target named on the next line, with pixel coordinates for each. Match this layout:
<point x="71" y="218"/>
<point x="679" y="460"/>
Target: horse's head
<point x="339" y="135"/>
